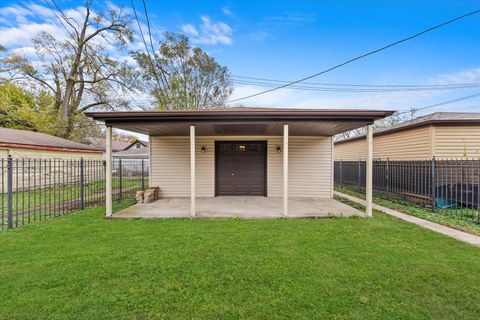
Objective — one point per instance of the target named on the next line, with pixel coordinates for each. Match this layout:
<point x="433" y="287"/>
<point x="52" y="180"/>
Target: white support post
<point x="192" y="170"/>
<point x="285" y="170"/>
<point x="369" y="171"/>
<point x="332" y="167"/>
<point x="108" y="169"/>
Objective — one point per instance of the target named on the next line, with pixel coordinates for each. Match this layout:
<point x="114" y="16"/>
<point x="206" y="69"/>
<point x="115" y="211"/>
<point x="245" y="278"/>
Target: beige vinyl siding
<point x="310" y="165"/>
<point x="457" y="141"/>
<point x="274" y="167"/>
<point x="406" y="144"/>
<point x="170" y="166"/>
<point x="353" y="150"/>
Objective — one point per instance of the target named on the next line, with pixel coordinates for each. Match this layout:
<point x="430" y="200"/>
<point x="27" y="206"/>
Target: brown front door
<point x="240" y="168"/>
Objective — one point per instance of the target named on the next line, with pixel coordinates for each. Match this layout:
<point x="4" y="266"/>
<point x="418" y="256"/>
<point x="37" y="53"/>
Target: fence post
<point x="82" y="184"/>
<point x="120" y="182"/>
<point x="387" y="176"/>
<point x="104" y="163"/>
<point x="341" y="171"/>
<point x="143" y="175"/>
<point x="359" y="174"/>
<point x="10" y="192"/>
<point x="434" y="183"/>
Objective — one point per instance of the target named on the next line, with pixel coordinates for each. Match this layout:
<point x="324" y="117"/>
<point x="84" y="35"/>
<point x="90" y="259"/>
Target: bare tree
<point x="387" y="122"/>
<point x="78" y="71"/>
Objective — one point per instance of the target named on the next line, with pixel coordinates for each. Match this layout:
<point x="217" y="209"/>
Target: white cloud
<point x="23" y="34"/>
<point x="209" y="33"/>
<point x="279" y="98"/>
<point x="291" y="98"/>
<point x="464" y="76"/>
<point x="20" y="24"/>
<point x="190" y="30"/>
<point x="226" y="11"/>
<point x="259" y="36"/>
<point x="25" y="51"/>
<point x="14" y="13"/>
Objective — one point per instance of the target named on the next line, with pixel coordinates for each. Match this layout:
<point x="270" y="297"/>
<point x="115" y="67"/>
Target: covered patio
<point x="241" y="162"/>
<point x="248" y="207"/>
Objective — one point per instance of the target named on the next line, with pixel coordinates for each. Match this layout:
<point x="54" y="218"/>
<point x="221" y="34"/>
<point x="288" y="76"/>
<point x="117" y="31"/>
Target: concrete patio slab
<point x="247" y="207"/>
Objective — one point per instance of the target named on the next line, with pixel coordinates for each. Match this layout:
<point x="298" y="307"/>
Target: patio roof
<point x="241" y="121"/>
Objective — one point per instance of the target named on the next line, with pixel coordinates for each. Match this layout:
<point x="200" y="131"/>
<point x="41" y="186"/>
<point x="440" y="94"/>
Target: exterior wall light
<point x="203" y="149"/>
<point x="279" y="150"/>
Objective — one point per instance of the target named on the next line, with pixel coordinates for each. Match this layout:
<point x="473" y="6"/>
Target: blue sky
<point x="288" y="40"/>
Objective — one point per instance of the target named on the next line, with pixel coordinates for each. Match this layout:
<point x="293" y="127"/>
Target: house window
<point x="240" y="147"/>
<point x="225" y="147"/>
<point x="138" y="146"/>
<point x="256" y="148"/>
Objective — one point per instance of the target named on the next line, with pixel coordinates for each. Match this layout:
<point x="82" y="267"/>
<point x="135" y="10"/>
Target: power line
<point x="361" y="89"/>
<point x="359" y="85"/>
<point x="360" y="57"/>
<point x="151" y="41"/>
<point x="148" y="26"/>
<point x="150" y="59"/>
<point x="441" y="103"/>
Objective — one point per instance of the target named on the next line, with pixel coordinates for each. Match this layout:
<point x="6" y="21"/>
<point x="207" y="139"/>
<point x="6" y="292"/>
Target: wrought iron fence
<point x="447" y="186"/>
<point x="38" y="189"/>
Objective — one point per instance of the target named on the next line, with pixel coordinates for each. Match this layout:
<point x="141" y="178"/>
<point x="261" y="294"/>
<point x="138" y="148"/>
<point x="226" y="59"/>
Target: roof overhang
<point x="437" y="122"/>
<point x="46" y="148"/>
<point x="303" y="122"/>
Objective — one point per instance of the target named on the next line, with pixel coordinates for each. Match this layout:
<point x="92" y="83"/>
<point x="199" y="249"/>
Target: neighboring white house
<point x="136" y="149"/>
<point x="241" y="151"/>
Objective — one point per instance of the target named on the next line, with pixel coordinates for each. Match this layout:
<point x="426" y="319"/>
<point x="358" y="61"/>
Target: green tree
<point x="77" y="71"/>
<point x="21" y="109"/>
<point x="181" y="77"/>
<point x="34" y="111"/>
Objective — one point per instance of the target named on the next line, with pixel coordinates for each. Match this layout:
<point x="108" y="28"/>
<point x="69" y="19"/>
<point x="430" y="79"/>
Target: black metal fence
<point x="447" y="186"/>
<point x="38" y="189"/>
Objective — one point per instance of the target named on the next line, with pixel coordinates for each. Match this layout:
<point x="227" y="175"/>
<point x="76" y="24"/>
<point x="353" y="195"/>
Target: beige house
<point x="245" y="155"/>
<point x="441" y="134"/>
<point x="28" y="144"/>
<point x="38" y="156"/>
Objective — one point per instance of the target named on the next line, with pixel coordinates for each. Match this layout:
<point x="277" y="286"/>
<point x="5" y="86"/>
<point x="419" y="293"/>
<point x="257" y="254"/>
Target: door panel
<point x="240" y="168"/>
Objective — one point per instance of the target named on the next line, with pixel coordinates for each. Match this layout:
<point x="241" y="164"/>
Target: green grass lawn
<point x="443" y="217"/>
<point x="83" y="266"/>
<point x="94" y="191"/>
<point x="40" y="204"/>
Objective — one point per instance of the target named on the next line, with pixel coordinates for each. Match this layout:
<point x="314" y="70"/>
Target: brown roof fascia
<point x="204" y="115"/>
<point x="35" y="147"/>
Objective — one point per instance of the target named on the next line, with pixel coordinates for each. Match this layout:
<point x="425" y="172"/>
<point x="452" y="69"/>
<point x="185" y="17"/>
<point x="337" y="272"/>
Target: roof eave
<point x="413" y="126"/>
<point x="301" y="115"/>
<point x="47" y="148"/>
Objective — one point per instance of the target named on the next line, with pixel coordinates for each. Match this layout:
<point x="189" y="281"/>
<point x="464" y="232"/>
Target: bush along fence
<point x="38" y="189"/>
<point x="447" y="186"/>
